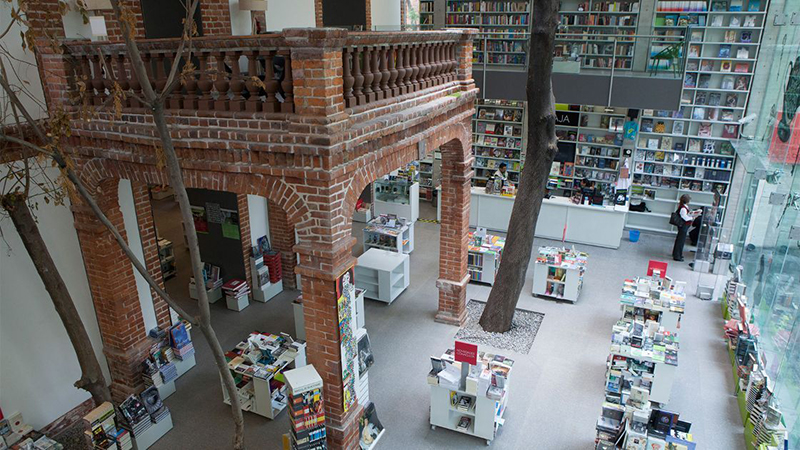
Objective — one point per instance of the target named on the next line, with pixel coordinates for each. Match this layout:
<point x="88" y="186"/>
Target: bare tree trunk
<point x="541" y="150"/>
<point x="92" y="379"/>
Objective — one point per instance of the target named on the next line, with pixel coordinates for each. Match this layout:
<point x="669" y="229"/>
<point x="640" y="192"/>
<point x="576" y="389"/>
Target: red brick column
<point x="281" y="234"/>
<point x="317" y="71"/>
<point x="113" y="287"/>
<point x="112" y="23"/>
<point x="325" y="253"/>
<point x="147" y="233"/>
<point x="453" y="274"/>
<point x="216" y="16"/>
<point x="318" y="13"/>
<point x="55" y="72"/>
<point x="244" y="235"/>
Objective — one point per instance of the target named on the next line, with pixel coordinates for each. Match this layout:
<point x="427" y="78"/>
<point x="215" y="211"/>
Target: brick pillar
<point x="44" y="16"/>
<point x="453" y="274"/>
<point x="112" y="23"/>
<point x="216" y="17"/>
<point x="317" y="71"/>
<point x="281" y="234"/>
<point x="113" y="288"/>
<point x="318" y="13"/>
<point x="325" y="253"/>
<point x="464" y="56"/>
<point x="244" y="235"/>
<point x="368" y="25"/>
<point x="147" y="233"/>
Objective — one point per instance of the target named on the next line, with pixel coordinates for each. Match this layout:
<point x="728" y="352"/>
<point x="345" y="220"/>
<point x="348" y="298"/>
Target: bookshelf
<point x="483" y="257"/>
<point x="426" y="13"/>
<point x="430" y="175"/>
<point x="499" y="136"/>
<point x="689" y="151"/>
<point x="470" y="398"/>
<point x="596" y="22"/>
<point x="382" y="274"/>
<point x="590" y="140"/>
<point x="381" y="233"/>
<point x="166" y="255"/>
<point x="505" y="23"/>
<point x="558" y="273"/>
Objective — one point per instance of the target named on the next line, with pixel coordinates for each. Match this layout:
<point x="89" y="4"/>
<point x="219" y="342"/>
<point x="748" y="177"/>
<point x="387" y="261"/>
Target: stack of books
<point x="182" y="346"/>
<point x="464" y="423"/>
<point x="135" y="414"/>
<point x="101" y="427"/>
<point x="235" y="289"/>
<point x="156" y="408"/>
<point x="124" y="440"/>
<point x="168" y="372"/>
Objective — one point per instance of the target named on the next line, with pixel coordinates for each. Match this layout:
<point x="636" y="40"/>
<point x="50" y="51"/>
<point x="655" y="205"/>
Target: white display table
<point x="382" y="274"/>
<point x="397" y="239"/>
<point x="559" y="219"/>
<point x="563" y="279"/>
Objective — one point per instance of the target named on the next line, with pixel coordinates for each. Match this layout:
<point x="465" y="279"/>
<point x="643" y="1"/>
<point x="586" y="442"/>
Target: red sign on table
<point x="466" y="353"/>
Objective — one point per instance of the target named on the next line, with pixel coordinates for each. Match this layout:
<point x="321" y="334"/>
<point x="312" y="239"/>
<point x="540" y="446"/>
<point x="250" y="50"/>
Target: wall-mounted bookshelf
<point x="688" y="151"/>
<point x="507" y="21"/>
<point x="426" y="19"/>
<point x="498" y="137"/>
<point x="596" y="21"/>
<point x="590" y="142"/>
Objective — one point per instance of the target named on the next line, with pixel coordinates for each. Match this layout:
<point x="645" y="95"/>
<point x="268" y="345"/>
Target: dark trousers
<point x="680" y="239"/>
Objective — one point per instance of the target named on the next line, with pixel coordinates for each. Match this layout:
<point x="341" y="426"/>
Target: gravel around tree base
<point x="519" y="338"/>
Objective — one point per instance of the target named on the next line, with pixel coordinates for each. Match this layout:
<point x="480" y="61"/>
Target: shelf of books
<point x="483" y="257"/>
<point x="504" y="24"/>
<point x="470" y="398"/>
<point x="590" y="142"/>
<point x="426" y="14"/>
<point x="558" y="273"/>
<point x="689" y="151"/>
<point x="599" y="23"/>
<point x="499" y="137"/>
<point x="306" y="408"/>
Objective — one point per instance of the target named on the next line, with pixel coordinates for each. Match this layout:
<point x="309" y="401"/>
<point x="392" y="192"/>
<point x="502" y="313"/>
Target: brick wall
<point x="114" y="293"/>
<point x="113" y="25"/>
<point x="244" y="235"/>
<point x="216" y="16"/>
<point x="318" y="13"/>
<point x="281" y="233"/>
<point x="147" y="233"/>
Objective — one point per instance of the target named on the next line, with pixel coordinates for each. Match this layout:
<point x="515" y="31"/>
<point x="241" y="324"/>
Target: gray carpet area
<point x="556" y="389"/>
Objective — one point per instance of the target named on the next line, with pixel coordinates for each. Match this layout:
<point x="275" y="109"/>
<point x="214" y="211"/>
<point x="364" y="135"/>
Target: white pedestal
<point x="183" y="365"/>
<point x="237" y="304"/>
<point x="154" y="433"/>
<point x="299" y="320"/>
<point x="166" y="389"/>
<point x="213" y="294"/>
<point x="266" y="293"/>
<point x="382" y="274"/>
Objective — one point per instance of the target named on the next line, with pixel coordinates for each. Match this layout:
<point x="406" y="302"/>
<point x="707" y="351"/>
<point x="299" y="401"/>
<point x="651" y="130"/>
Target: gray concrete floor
<point x="556" y="390"/>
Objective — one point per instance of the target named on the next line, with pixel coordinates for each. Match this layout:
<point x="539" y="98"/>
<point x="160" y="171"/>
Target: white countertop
<point x="557" y="201"/>
<point x="378" y="259"/>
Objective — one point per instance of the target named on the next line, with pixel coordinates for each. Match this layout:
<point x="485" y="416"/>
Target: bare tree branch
<point x="187" y="36"/>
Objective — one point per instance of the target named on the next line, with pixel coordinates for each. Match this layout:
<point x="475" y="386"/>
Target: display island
<point x="389" y="232"/>
<point x="558" y="273"/>
<point x="469" y="398"/>
<point x="559" y="219"/>
<point x="483" y="258"/>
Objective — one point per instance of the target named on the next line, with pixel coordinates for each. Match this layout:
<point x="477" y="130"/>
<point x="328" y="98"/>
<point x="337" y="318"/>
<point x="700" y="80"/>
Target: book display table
<point x="383" y="275"/>
<point x="467" y="398"/>
<point x="257" y="365"/>
<point x="645" y="299"/>
<point x="388" y="232"/>
<point x="558" y="273"/>
<point x="483" y="257"/>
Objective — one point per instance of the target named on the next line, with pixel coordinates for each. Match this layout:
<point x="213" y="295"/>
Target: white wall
<point x="37" y="363"/>
<point x="385" y="14"/>
<point x="241" y="23"/>
<point x="290" y="14"/>
<point x="259" y="218"/>
<point x="128" y="209"/>
<point x="21" y="65"/>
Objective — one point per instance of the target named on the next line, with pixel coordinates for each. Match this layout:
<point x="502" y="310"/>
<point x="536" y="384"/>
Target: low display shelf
<point x="483" y="258"/>
<point x="644" y="299"/>
<point x="558" y="273"/>
<point x="470" y="398"/>
<point x="257" y="365"/>
<point x="388" y="232"/>
<point x="383" y="275"/>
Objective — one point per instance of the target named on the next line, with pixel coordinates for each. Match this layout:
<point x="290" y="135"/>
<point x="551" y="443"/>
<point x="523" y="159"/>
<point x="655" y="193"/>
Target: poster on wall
<point x="346" y="293"/>
<point x="199" y="218"/>
<point x="230" y="224"/>
<point x="213" y="213"/>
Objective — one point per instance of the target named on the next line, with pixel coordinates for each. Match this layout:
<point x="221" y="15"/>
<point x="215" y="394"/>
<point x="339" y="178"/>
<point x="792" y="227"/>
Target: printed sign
<point x="466" y="353"/>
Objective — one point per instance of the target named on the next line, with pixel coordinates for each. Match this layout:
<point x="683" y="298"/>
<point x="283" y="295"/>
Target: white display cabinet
<point x="483" y="260"/>
<point x="398" y="239"/>
<point x="399" y="197"/>
<point x="562" y="281"/>
<point x="383" y="275"/>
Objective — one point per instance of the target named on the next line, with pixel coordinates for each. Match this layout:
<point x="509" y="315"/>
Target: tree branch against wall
<point x="541" y="149"/>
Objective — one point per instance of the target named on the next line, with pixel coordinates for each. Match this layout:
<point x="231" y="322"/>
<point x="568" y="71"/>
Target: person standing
<point x="688" y="217"/>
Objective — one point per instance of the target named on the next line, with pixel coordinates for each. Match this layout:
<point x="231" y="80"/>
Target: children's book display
<point x="398" y="193"/>
<point x="483" y="257"/>
<point x="558" y="273"/>
<point x="640" y="371"/>
<point x="761" y="413"/>
<point x="389" y="232"/>
<point x="306" y="409"/>
<point x="647" y="299"/>
<point x="469" y="397"/>
<point x="257" y="365"/>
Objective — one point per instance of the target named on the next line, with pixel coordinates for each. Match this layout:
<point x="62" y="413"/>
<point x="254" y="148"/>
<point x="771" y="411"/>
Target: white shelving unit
<point x="383" y="275"/>
<point x="562" y="281"/>
<point x="430" y="176"/>
<point x="398" y="197"/>
<point x="498" y="130"/>
<point x="263" y="292"/>
<point x="400" y="240"/>
<point x="484" y="260"/>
